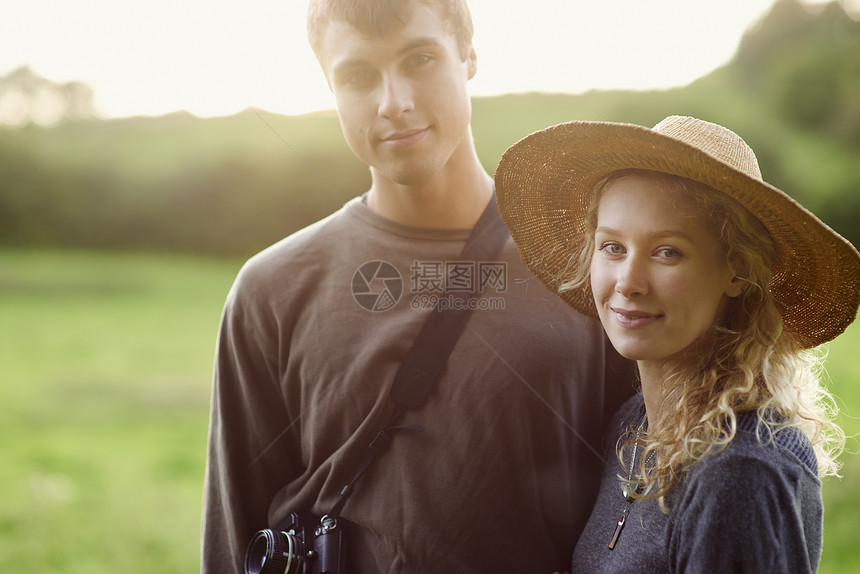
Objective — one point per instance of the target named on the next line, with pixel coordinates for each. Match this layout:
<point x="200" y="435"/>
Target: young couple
<point x="709" y="280"/>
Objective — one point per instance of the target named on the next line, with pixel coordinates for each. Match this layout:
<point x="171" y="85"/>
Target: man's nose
<point x="397" y="97"/>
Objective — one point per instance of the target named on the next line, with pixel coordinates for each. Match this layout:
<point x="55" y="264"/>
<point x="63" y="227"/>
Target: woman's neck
<point x="651" y="377"/>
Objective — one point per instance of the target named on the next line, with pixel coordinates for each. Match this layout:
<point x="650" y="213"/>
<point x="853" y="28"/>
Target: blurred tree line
<point x="25" y="97"/>
<point x="233" y="185"/>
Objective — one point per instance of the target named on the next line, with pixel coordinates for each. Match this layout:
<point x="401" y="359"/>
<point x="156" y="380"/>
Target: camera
<point x="302" y="546"/>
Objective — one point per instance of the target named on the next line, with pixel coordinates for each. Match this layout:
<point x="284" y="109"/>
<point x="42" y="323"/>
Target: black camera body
<point x="301" y="546"/>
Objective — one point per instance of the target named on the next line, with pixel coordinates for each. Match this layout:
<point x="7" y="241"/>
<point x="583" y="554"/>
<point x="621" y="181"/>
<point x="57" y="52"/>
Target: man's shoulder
<point x="298" y="258"/>
<point x="318" y="240"/>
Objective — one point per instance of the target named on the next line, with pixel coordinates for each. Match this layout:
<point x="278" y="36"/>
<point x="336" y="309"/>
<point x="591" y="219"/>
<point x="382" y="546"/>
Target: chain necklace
<point x="628" y="490"/>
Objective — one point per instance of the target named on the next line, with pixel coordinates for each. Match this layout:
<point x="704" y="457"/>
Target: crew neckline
<point x="357" y="207"/>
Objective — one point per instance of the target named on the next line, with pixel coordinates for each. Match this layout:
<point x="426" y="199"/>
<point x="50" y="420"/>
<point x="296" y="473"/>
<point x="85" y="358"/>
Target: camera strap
<point x="425" y="361"/>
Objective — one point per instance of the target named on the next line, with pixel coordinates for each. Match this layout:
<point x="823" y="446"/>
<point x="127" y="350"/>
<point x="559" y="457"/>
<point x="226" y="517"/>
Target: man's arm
<point x="246" y="462"/>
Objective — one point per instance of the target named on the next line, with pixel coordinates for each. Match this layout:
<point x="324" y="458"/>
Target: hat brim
<point x="544" y="183"/>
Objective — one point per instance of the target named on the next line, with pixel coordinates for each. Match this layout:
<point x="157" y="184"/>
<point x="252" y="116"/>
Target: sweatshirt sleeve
<point x="248" y="419"/>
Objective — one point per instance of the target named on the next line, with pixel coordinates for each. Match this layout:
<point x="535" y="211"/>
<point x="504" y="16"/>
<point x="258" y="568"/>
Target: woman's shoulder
<point x="754" y="502"/>
<point x="758" y="457"/>
<point x="775" y="439"/>
<point x="753" y="477"/>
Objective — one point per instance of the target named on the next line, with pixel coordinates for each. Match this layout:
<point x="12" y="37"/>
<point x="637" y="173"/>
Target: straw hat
<point x="544" y="183"/>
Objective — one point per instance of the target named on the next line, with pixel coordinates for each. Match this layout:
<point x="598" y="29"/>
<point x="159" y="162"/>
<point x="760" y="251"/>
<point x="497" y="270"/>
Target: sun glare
<point x="217" y="58"/>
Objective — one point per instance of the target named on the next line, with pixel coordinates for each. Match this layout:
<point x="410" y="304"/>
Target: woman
<point x="718" y="285"/>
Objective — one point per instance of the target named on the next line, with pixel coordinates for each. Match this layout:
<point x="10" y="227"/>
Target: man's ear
<point x="472" y="62"/>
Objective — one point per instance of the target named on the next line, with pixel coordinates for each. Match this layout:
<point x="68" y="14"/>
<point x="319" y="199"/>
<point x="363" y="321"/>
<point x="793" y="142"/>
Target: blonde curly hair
<point x="748" y="362"/>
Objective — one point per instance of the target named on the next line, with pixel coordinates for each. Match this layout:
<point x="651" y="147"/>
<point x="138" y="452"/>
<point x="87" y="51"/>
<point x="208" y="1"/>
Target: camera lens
<point x="273" y="552"/>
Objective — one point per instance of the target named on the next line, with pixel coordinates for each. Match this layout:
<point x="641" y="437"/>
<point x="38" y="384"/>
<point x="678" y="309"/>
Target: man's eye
<point x="419" y="59"/>
<point x="359" y="77"/>
<point x="354" y="77"/>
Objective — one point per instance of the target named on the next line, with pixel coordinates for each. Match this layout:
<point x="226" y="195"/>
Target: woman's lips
<point x="633" y="319"/>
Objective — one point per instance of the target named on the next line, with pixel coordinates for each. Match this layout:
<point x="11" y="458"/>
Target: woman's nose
<point x="632" y="278"/>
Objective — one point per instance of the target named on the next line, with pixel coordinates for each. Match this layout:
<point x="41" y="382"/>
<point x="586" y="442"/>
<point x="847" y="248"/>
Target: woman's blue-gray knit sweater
<point x="753" y="507"/>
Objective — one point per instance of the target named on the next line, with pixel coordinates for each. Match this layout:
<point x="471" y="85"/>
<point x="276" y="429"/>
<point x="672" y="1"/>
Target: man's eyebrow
<point x="419" y="43"/>
<point x="423" y="42"/>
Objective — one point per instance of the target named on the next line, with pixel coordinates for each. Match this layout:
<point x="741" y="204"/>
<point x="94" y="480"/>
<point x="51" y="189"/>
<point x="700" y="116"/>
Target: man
<point x="316" y="326"/>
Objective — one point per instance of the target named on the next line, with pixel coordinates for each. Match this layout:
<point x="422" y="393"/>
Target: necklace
<point x="628" y="490"/>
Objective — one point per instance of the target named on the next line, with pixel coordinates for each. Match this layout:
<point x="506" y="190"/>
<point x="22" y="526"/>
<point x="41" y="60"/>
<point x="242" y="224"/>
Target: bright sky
<point x="217" y="57"/>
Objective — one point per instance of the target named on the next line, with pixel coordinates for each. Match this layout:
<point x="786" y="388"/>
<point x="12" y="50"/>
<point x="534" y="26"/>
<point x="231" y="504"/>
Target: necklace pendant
<point x="617" y="532"/>
<point x="628" y="493"/>
<point x="628" y="489"/>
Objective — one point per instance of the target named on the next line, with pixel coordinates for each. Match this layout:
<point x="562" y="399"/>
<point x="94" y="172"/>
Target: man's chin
<point x="409" y="176"/>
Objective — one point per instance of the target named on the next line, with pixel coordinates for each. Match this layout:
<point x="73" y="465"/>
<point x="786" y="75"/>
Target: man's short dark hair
<point x="376" y="17"/>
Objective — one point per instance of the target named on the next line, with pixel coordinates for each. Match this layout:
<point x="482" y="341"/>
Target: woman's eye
<point x="610" y="248"/>
<point x="668" y="253"/>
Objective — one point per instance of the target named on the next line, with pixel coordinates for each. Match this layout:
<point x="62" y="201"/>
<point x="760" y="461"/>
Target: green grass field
<point x="105" y="366"/>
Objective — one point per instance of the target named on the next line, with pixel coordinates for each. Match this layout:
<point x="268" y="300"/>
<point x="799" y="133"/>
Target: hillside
<point x="233" y="185"/>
